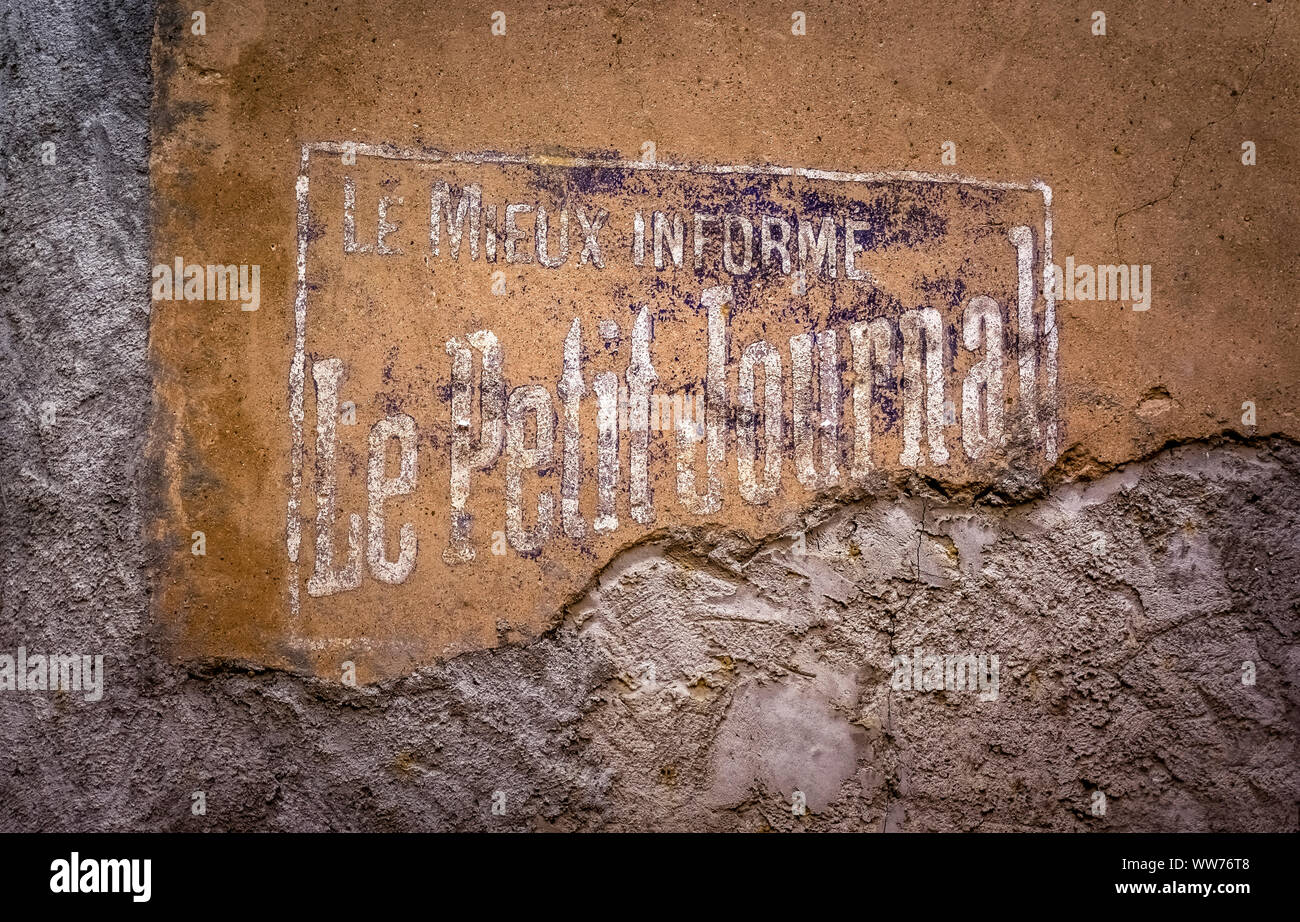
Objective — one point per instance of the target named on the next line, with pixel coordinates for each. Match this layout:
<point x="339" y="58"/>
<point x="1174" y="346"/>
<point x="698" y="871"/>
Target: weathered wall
<point x="704" y="678"/>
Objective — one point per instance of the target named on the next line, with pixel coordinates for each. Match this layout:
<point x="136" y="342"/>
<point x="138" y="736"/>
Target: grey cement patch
<point x="696" y="685"/>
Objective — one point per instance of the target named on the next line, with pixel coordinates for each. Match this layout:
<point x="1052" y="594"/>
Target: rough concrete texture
<point x="698" y="683"/>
